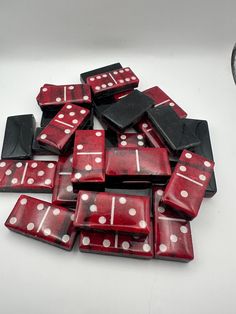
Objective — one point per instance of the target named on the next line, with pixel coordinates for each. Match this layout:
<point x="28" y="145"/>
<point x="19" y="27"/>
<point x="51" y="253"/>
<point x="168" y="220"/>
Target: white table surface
<point x="182" y="46"/>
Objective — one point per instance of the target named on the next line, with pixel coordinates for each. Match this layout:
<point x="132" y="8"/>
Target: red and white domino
<point x="88" y="158"/>
<point x="188" y="183"/>
<point x="113" y="82"/>
<point x="42" y="221"/>
<point x="113" y="212"/>
<point x="58" y="134"/>
<point x="55" y="96"/>
<point x="27" y="176"/>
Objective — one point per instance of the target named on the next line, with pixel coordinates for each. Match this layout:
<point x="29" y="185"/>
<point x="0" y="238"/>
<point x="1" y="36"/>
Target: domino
<point x="188" y="183"/>
<point x="63" y="190"/>
<point x="201" y="130"/>
<point x="88" y="169"/>
<point x="118" y="244"/>
<point x="108" y="83"/>
<point x="142" y="164"/>
<point x="127" y="111"/>
<point x="172" y="234"/>
<point x="54" y="97"/>
<point x="58" y="135"/>
<point x="111" y="67"/>
<point x="161" y="98"/>
<point x="131" y="140"/>
<point x="27" y="176"/>
<point x="42" y="221"/>
<point x="19" y="133"/>
<point x="172" y="129"/>
<point x="113" y="212"/>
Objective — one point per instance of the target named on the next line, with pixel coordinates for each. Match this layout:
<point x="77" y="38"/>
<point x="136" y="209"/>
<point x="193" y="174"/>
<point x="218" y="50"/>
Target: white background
<point x="185" y="48"/>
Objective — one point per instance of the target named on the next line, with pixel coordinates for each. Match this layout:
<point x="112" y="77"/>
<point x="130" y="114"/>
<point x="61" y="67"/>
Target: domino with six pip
<point x="112" y="82"/>
<point x="27" y="176"/>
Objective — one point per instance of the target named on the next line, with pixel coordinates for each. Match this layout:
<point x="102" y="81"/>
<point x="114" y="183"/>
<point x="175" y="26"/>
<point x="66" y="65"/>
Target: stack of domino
<point x="130" y="189"/>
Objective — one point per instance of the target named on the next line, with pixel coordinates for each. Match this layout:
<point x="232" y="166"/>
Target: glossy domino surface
<point x="89" y="158"/>
<point x="63" y="190"/>
<point x="161" y="98"/>
<point x="151" y="164"/>
<point x="116" y="244"/>
<point x="19" y="133"/>
<point x="113" y="82"/>
<point x="27" y="176"/>
<point x="201" y="130"/>
<point x="42" y="221"/>
<point x="107" y="68"/>
<point x="173" y="130"/>
<point x="172" y="234"/>
<point x="127" y="111"/>
<point x="131" y="140"/>
<point x="57" y="135"/>
<point x="188" y="183"/>
<point x="114" y="212"/>
<point x="53" y="97"/>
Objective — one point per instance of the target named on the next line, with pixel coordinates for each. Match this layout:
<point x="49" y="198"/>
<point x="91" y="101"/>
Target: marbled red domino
<point x="58" y="134"/>
<point x="27" y="176"/>
<point x="113" y="82"/>
<point x="131" y="140"/>
<point x="188" y="183"/>
<point x="162" y="98"/>
<point x="116" y="244"/>
<point x="114" y="212"/>
<point x="42" y="221"/>
<point x="151" y="164"/>
<point x="53" y="97"/>
<point x="172" y="234"/>
<point x="88" y="158"/>
<point x="63" y="190"/>
<point x="150" y="133"/>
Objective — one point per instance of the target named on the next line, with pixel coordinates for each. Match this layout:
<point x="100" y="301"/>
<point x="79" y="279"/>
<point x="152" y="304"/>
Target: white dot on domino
<point x="184" y="193"/>
<point x="86" y="240"/>
<point x="188" y="155"/>
<point x="106" y="243"/>
<point x="65" y="238"/>
<point x="146" y="247"/>
<point x="102" y="220"/>
<point x="69" y="188"/>
<point x="122" y="200"/>
<point x="84" y="197"/>
<point x="125" y="245"/>
<point x="162" y="248"/>
<point x="13" y="220"/>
